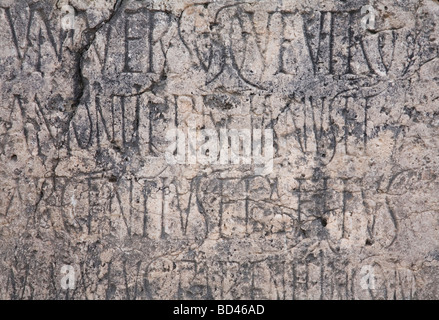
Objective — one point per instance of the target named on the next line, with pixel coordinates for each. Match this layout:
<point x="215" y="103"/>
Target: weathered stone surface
<point x="347" y="209"/>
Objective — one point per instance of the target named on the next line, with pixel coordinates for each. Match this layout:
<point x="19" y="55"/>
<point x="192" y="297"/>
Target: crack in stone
<point x="90" y="34"/>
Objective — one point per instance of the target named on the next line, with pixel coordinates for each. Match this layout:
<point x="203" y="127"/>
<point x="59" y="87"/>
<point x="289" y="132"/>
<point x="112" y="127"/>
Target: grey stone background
<point x="348" y="212"/>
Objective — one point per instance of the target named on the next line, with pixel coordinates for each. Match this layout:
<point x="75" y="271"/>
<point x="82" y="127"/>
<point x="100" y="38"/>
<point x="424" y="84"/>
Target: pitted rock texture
<point x="89" y="90"/>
